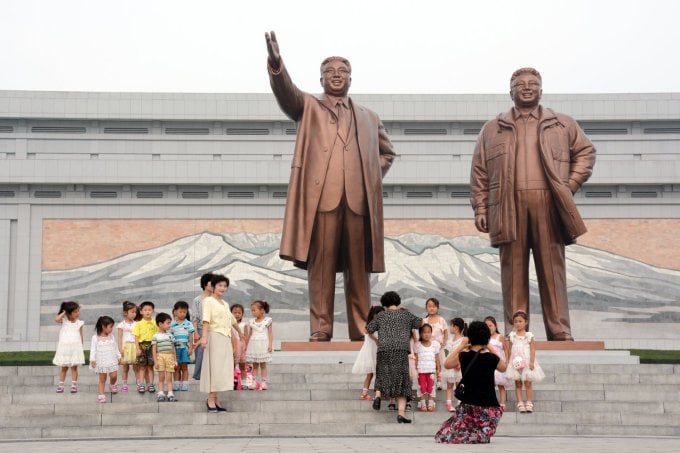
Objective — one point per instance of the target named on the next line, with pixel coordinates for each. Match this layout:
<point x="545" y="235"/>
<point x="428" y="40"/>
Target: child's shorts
<point x="146" y="358"/>
<point x="129" y="354"/>
<point x="166" y="362"/>
<point x="182" y="355"/>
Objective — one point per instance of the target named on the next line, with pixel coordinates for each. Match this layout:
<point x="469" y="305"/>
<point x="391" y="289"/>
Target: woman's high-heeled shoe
<point x="220" y="408"/>
<point x="401" y="419"/>
<point x="376" y="403"/>
<point x="211" y="409"/>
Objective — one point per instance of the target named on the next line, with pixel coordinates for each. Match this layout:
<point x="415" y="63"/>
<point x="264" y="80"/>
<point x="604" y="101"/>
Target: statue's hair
<point x="521" y="71"/>
<point x="333" y="58"/>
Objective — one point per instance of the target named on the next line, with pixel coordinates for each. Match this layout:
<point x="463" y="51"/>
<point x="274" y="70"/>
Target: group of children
<point x="435" y="341"/>
<point x="162" y="344"/>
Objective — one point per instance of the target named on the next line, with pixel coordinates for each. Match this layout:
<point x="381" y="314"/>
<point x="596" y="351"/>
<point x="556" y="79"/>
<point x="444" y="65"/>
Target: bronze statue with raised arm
<point x="334" y="212"/>
<point x="526" y="166"/>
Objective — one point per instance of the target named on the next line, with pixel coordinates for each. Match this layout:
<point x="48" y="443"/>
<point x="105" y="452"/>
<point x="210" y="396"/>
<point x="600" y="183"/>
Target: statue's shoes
<point x="320" y="336"/>
<point x="562" y="337"/>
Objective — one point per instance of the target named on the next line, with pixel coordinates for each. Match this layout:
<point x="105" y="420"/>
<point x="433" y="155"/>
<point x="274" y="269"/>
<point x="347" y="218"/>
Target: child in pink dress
<point x="239" y="343"/>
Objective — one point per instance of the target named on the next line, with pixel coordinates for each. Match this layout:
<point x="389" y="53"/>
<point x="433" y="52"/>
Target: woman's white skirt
<point x="217" y="370"/>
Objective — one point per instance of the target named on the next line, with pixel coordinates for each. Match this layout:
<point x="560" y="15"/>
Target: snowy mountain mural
<point x="462" y="272"/>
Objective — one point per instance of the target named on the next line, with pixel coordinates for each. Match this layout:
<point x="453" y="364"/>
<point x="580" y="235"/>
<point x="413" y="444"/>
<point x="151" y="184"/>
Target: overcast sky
<point x="395" y="46"/>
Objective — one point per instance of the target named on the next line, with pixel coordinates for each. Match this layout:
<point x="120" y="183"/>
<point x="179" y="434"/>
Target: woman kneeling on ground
<point x="478" y="413"/>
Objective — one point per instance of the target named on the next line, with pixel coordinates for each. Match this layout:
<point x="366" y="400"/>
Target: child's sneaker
<point x="101" y="398"/>
<point x="114" y="388"/>
<point x="175" y="386"/>
<point x="151" y="388"/>
<point x="258" y="386"/>
<point x="421" y="406"/>
<point x="171" y="398"/>
<point x="60" y="387"/>
<point x="430" y="406"/>
<point x="264" y="385"/>
<point x="141" y="388"/>
<point x="160" y="397"/>
<point x="184" y="387"/>
<point x="74" y="387"/>
<point x="449" y="406"/>
<point x="124" y="388"/>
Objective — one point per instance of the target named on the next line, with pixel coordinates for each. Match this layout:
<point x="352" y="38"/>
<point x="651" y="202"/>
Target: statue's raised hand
<point x="273" y="50"/>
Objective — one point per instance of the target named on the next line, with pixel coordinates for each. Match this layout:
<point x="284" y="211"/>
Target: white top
<point x="126" y="327"/>
<point x="259" y="330"/>
<point x="70" y="331"/>
<point x="427" y="356"/>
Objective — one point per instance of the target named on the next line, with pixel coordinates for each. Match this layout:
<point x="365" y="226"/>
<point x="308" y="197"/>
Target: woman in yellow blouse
<point x="217" y="370"/>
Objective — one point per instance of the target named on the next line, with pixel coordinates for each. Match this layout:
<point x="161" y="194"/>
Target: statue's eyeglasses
<point x="331" y="71"/>
<point x="531" y="84"/>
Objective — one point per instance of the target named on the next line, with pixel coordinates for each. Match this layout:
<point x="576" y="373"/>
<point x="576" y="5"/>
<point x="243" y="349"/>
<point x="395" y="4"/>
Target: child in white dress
<point x="104" y="356"/>
<point x="499" y="345"/>
<point x="70" y="352"/>
<point x="365" y="361"/>
<point x="427" y="359"/>
<point x="259" y="342"/>
<point x="523" y="368"/>
<point x="457" y="342"/>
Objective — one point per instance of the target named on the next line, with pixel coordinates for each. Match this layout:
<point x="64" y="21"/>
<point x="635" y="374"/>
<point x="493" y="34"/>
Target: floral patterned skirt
<point x="469" y="425"/>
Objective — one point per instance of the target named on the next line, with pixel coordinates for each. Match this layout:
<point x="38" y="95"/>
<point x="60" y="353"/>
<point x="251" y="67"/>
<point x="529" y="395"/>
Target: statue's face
<point x="336" y="78"/>
<point x="526" y="90"/>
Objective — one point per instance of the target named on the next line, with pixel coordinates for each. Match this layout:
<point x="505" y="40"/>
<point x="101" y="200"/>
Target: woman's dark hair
<point x="162" y="317"/>
<point x="493" y="320"/>
<point x="478" y="333"/>
<point x="375" y="309"/>
<point x="390" y="299"/>
<point x="205" y="279"/>
<point x="422" y="328"/>
<point x="235" y="306"/>
<point x="181" y="305"/>
<point x="127" y="306"/>
<point x="69" y="307"/>
<point x="462" y="327"/>
<point x="102" y="322"/>
<point x="433" y="300"/>
<point x="217" y="278"/>
<point x="263" y="304"/>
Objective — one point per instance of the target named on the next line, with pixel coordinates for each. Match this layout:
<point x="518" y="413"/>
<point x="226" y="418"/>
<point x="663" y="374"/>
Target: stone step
<point x="224" y="426"/>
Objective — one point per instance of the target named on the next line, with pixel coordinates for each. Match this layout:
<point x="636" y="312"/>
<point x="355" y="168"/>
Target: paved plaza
<point x="348" y="444"/>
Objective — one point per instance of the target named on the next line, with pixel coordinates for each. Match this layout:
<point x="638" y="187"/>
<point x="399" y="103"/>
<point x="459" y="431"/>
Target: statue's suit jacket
<point x="317" y="128"/>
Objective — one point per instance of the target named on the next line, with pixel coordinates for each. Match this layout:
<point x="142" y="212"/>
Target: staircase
<point x="602" y="393"/>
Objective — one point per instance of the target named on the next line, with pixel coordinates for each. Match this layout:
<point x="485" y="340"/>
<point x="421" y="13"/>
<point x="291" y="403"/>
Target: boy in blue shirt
<point x="182" y="331"/>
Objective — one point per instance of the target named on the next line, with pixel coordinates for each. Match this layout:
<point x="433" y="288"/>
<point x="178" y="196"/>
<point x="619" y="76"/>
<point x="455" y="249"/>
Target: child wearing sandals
<point x="427" y="358"/>
<point x="499" y="346"/>
<point x="523" y="368"/>
<point x="143" y="332"/>
<point x="164" y="356"/>
<point x="365" y="361"/>
<point x="457" y="342"/>
<point x="259" y="342"/>
<point x="440" y="331"/>
<point x="104" y="356"/>
<point x="182" y="331"/>
<point x="238" y="343"/>
<point x="69" y="352"/>
<point x="126" y="343"/>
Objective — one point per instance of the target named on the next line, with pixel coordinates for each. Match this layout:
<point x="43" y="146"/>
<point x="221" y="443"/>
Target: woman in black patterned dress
<point x="394" y="327"/>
